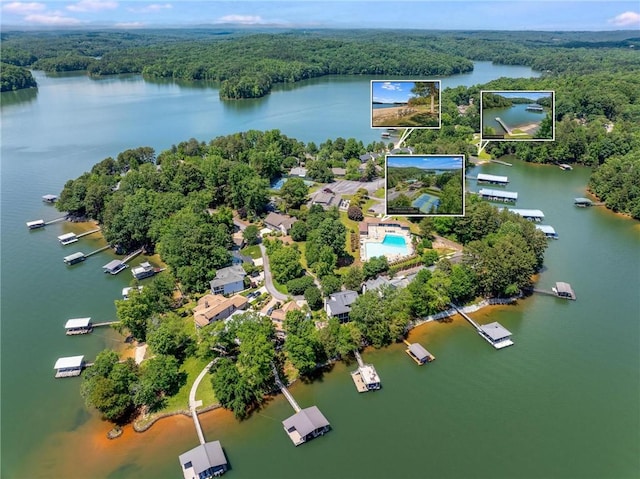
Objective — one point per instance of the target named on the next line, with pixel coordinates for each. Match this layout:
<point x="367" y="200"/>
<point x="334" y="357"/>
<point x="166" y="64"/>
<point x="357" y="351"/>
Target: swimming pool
<point x="391" y="246"/>
<point x="277" y="185"/>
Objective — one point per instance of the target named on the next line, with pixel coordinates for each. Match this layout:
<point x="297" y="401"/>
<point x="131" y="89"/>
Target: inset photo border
<point x="406" y="104"/>
<point x="425" y="185"/>
<point x="517" y="115"/>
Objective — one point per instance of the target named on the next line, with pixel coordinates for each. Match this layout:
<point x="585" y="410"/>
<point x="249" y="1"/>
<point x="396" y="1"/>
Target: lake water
<point x="513" y="117"/>
<point x="562" y="402"/>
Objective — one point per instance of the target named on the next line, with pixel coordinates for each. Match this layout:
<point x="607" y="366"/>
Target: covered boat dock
<point x="492" y="179"/>
<point x="548" y="231"/>
<point x="532" y="215"/>
<point x="418" y="353"/>
<point x="114" y="267"/>
<point x="498" y="195"/>
<point x="74" y="258"/>
<point x="78" y="326"/>
<point x="69" y="366"/>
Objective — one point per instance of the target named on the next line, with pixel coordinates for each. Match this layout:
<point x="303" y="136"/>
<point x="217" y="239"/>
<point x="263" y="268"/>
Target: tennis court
<point x="424" y="202"/>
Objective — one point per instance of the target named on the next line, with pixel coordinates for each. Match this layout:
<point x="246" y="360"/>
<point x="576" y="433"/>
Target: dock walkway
<point x="132" y="255"/>
<point x="97" y="251"/>
<point x="503" y="125"/>
<point x="193" y="404"/>
<point x="55" y="220"/>
<point x="285" y="391"/>
<point x="86" y="233"/>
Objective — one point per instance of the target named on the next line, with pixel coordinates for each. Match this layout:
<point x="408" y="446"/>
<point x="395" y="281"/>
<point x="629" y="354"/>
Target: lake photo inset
<point x="413" y="104"/>
<point x="517" y="115"/>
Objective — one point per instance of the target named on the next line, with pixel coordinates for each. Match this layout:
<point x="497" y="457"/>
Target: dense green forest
<point x="15" y="78"/>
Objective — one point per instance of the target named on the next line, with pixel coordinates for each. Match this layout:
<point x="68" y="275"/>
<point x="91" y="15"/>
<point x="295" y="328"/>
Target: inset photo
<point x="405" y="103"/>
<point x="425" y="185"/>
<point x="517" y="115"/>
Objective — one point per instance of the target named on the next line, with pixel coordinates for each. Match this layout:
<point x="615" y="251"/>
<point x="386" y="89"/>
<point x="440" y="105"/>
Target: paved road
<point x="268" y="282"/>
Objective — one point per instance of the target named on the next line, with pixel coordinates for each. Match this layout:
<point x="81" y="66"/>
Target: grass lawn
<point x="379" y="193"/>
<point x="302" y="246"/>
<point x="280" y="287"/>
<point x="180" y="402"/>
<point x="252" y="251"/>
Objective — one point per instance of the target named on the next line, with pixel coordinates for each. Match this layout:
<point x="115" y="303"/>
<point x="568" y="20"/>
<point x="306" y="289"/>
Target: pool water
<point x="391" y="245"/>
<point x="277" y="184"/>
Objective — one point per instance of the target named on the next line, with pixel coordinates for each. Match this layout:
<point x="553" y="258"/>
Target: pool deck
<point x="377" y="234"/>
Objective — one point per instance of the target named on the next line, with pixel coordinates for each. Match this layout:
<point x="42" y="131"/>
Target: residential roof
<point x="278" y="220"/>
<point x="203" y="457"/>
<point x="377" y="283"/>
<point x="339" y="171"/>
<point x="77" y="323"/>
<point x="69" y="362"/>
<point x="211" y="305"/>
<point x="324" y="198"/>
<point x="298" y="171"/>
<point x="228" y="275"/>
<point x="495" y="331"/>
<point x="306" y="421"/>
<point x="493" y="178"/>
<point x="418" y="351"/>
<point x="339" y="303"/>
<point x="281" y="314"/>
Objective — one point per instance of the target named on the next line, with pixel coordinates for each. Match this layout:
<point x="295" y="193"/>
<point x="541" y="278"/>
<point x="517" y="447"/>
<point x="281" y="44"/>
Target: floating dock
<point x="535" y="107"/>
<point x="365" y="377"/>
<point x="49" y="198"/>
<point x="74" y="258"/>
<point x="564" y="166"/>
<point x="564" y="290"/>
<point x="494" y="333"/>
<point x="493" y="179"/>
<point x="143" y="270"/>
<point x="67" y="238"/>
<point x="500" y="162"/>
<point x="418" y="353"/>
<point x="35" y="224"/>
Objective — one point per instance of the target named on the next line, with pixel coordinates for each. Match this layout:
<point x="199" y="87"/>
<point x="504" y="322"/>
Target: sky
<point x="524" y="94"/>
<point x="391" y="92"/>
<point x="417" y="14"/>
<point x="426" y="162"/>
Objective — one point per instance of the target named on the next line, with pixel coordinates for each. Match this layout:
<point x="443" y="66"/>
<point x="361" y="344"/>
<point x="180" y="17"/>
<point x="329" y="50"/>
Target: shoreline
<point x="472" y="308"/>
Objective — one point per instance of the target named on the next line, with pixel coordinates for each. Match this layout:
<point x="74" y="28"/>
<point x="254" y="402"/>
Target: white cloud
<point x="626" y="19"/>
<point x="130" y="25"/>
<point x="51" y="19"/>
<point x="92" y="6"/>
<point x="391" y="86"/>
<point x="242" y="19"/>
<point x="152" y="8"/>
<point x="21" y="8"/>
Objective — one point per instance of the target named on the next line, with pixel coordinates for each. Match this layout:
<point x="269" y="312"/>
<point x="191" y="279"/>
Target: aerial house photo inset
<point x="402" y="103"/>
<point x="517" y="115"/>
<point x="422" y="185"/>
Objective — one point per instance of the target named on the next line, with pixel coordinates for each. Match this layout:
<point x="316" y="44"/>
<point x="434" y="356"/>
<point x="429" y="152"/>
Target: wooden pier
<point x="500" y="162"/>
<point x="97" y="251"/>
<point x="132" y="255"/>
<point x="503" y="125"/>
<point x="56" y="220"/>
<point x="285" y="391"/>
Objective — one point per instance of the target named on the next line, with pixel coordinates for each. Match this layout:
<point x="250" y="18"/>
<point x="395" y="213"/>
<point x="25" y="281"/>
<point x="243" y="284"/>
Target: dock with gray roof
<point x="494" y="333"/>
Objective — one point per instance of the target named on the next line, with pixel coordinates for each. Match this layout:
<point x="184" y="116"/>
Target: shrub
<point x="299" y="285"/>
<point x="355" y="213"/>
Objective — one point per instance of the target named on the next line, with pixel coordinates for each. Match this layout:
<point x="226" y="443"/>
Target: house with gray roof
<point x="228" y="280"/>
<point x="204" y="462"/>
<point x="338" y="304"/>
<point x="376" y="284"/>
<point x="305" y="425"/>
<point x="298" y="171"/>
<point x="278" y="222"/>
